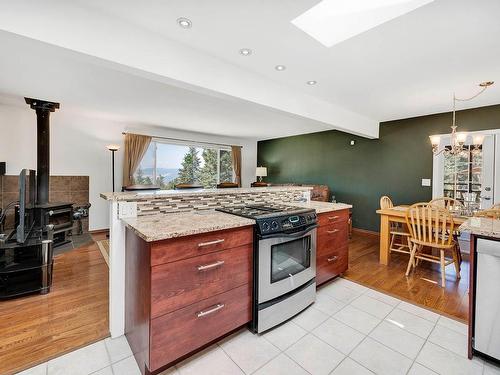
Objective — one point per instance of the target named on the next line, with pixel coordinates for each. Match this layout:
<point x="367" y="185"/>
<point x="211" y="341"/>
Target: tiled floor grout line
<point x="228" y="356"/>
<point x="276" y="356"/>
<point x="298" y="364"/>
<point x="426" y="341"/>
<point x="109" y="356"/>
<point x="352" y="359"/>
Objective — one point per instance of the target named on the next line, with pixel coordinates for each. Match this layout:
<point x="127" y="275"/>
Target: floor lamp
<point x="113" y="149"/>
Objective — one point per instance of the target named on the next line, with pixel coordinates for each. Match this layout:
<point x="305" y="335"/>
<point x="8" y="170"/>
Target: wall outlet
<point x="426" y="182"/>
<point x="127" y="209"/>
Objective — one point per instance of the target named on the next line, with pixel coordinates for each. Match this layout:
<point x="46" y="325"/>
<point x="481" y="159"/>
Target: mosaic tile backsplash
<point x="186" y="202"/>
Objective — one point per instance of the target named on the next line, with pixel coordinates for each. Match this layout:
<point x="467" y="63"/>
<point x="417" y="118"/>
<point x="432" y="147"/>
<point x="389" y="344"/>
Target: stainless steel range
<point x="284" y="261"/>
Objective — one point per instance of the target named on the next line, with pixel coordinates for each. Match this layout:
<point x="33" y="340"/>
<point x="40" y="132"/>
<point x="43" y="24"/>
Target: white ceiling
<point x="34" y="69"/>
<point x="406" y="67"/>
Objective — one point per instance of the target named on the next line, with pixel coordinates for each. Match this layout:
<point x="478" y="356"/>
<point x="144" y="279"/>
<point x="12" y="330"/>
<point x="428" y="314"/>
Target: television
<point x="27" y="198"/>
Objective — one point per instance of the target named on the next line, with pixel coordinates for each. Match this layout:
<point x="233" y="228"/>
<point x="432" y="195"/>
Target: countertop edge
<point x="131" y="196"/>
<point x="482" y="226"/>
<point x="187" y="233"/>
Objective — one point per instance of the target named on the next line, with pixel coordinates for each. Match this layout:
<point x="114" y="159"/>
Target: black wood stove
<point x="26" y="261"/>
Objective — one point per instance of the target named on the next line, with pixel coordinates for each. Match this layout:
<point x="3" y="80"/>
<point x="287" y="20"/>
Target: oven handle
<point x="290" y="235"/>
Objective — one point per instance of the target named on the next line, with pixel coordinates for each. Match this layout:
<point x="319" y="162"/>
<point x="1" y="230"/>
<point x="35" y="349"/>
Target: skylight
<point x="333" y="21"/>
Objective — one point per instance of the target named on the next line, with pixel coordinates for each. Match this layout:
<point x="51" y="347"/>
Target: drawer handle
<point x="332" y="231"/>
<point x="332" y="259"/>
<point x="202" y="244"/>
<point x="210" y="266"/>
<point x="217" y="307"/>
<point x="333" y="217"/>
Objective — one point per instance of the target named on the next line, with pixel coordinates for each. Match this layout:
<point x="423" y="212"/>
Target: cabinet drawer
<point x="178" y="284"/>
<point x="331" y="264"/>
<point x="191" y="246"/>
<point x="332" y="236"/>
<point x="333" y="217"/>
<point x="182" y="331"/>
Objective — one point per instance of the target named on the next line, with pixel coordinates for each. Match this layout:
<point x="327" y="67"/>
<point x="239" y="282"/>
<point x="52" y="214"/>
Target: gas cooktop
<point x="274" y="218"/>
<point x="263" y="211"/>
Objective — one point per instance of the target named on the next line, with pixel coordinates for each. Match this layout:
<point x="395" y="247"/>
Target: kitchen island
<point x="189" y="277"/>
<point x="181" y="213"/>
<point x="151" y="203"/>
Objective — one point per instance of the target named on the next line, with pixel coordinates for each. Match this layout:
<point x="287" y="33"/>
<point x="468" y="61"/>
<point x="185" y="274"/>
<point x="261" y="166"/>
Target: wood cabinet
<point x="332" y="245"/>
<point x="182" y="294"/>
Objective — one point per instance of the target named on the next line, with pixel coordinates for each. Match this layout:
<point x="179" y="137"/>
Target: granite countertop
<point x="165" y="226"/>
<point x="482" y="226"/>
<point x="151" y="194"/>
<point x="321" y="207"/>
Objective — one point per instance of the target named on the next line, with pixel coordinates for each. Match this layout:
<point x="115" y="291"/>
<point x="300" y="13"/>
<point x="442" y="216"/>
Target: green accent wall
<point x="392" y="165"/>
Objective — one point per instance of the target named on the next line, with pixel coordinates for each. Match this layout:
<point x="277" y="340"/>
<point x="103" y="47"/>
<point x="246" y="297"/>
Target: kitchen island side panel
<point x="138" y="297"/>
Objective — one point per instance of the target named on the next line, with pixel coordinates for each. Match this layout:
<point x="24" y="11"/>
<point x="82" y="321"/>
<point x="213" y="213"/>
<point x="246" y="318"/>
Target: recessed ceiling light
<point x="333" y="21"/>
<point x="310" y="83"/>
<point x="185" y="23"/>
<point x="245" y="51"/>
<point x="280" y="67"/>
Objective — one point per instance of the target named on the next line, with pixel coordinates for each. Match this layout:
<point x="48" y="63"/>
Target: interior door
<point x="470" y="173"/>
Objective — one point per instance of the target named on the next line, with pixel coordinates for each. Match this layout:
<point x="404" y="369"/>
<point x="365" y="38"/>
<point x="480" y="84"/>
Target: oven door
<point x="285" y="263"/>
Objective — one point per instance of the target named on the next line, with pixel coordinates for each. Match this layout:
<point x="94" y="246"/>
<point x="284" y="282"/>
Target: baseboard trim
<point x="99" y="231"/>
<point x="365" y="232"/>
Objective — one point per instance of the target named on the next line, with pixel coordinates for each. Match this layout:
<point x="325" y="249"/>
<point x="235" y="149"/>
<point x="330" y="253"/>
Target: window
<point x="169" y="164"/>
<point x="462" y="174"/>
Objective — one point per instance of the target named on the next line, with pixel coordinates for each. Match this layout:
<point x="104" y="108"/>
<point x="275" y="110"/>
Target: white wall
<point x="78" y="147"/>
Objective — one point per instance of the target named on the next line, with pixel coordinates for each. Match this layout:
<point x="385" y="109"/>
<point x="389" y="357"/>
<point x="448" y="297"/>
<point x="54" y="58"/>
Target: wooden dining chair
<point x="447" y="203"/>
<point x="397" y="231"/>
<point x="431" y="226"/>
<point x="454" y="205"/>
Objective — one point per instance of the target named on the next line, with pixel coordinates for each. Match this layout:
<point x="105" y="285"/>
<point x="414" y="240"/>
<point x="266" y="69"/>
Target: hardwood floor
<point x="420" y="287"/>
<point x="36" y="328"/>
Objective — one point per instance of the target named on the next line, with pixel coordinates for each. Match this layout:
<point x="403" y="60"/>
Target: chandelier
<point x="458" y="139"/>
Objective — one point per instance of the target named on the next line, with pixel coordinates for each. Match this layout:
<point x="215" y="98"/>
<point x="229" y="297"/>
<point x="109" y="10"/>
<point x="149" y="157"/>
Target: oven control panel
<point x="286" y="223"/>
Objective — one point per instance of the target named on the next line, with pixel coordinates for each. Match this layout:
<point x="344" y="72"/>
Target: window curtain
<point x="136" y="146"/>
<point x="236" y="153"/>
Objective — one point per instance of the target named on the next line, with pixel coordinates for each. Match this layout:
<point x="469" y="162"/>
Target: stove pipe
<point x="43" y="109"/>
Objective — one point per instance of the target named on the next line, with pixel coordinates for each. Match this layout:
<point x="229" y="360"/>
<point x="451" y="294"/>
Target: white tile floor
<point x="350" y="330"/>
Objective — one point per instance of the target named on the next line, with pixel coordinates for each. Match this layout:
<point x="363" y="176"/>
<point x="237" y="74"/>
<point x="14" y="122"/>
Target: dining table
<point x="398" y="214"/>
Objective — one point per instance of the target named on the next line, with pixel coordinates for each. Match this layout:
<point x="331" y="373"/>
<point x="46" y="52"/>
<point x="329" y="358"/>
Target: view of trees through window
<point x="167" y="165"/>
